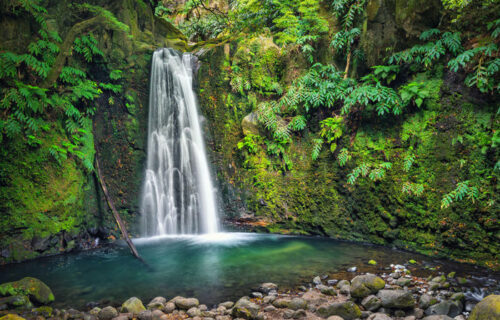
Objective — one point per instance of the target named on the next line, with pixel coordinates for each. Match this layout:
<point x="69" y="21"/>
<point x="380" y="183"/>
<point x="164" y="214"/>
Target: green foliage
<point x="413" y="189"/>
<point x="462" y="191"/>
<point x="415" y="92"/>
<point x="408" y="161"/>
<point x="87" y="46"/>
<point x="331" y="130"/>
<point x="374" y="172"/>
<point x="343" y="157"/>
<point x="250" y="143"/>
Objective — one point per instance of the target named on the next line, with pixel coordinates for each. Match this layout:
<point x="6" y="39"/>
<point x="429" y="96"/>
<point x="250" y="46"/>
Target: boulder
<point x="297" y="303"/>
<point x="145" y="315"/>
<point x="11" y="316"/>
<point x="347" y="310"/>
<point x="37" y="290"/>
<point x="426" y="300"/>
<point x="169" y="307"/>
<point x="379" y="316"/>
<point x="281" y="303"/>
<point x="107" y="313"/>
<point x="227" y="304"/>
<point x="486" y="309"/>
<point x="133" y="305"/>
<point x="186" y="303"/>
<point x="157" y="303"/>
<point x="371" y="303"/>
<point x="250" y="125"/>
<point x="450" y="308"/>
<point x="317" y="280"/>
<point x="157" y="315"/>
<point x="334" y="318"/>
<point x="329" y="291"/>
<point x="437" y="317"/>
<point x="398" y="299"/>
<point x="15" y="302"/>
<point x="364" y="285"/>
<point x="245" y="309"/>
<point x="403" y="282"/>
<point x="194" y="312"/>
<point x="299" y="314"/>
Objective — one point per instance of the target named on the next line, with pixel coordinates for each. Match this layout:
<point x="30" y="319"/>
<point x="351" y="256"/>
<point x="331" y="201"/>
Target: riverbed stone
<point x="186" y="303"/>
<point x="426" y="300"/>
<point x="194" y="312"/>
<point x="245" y="309"/>
<point x="317" y="280"/>
<point x="157" y="303"/>
<point x="157" y="314"/>
<point x="281" y="303"/>
<point x="398" y="299"/>
<point x="15" y="302"/>
<point x="95" y="311"/>
<point x="364" y="285"/>
<point x="133" y="305"/>
<point x="145" y="315"/>
<point x="270" y="308"/>
<point x="450" y="308"/>
<point x="297" y="303"/>
<point x="334" y="318"/>
<point x="347" y="310"/>
<point x="107" y="313"/>
<point x="169" y="307"/>
<point x="267" y="287"/>
<point x="287" y="313"/>
<point x="371" y="303"/>
<point x="227" y="304"/>
<point x="37" y="290"/>
<point x="438" y="317"/>
<point x="403" y="282"/>
<point x="268" y="299"/>
<point x="299" y="314"/>
<point x="486" y="309"/>
<point x="11" y="316"/>
<point x="379" y="316"/>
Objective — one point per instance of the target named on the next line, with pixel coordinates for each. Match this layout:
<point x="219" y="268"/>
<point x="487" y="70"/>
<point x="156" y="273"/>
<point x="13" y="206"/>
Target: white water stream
<point x="178" y="195"/>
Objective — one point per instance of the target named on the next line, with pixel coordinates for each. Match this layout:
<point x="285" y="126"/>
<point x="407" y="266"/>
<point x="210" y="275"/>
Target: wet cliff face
<point x="49" y="208"/>
<point x="313" y="197"/>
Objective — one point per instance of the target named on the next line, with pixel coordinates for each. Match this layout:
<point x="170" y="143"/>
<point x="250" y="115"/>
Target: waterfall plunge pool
<point x="213" y="268"/>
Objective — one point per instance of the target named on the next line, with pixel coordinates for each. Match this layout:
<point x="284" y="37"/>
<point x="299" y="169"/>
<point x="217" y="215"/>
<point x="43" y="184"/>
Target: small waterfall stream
<point x="178" y="195"/>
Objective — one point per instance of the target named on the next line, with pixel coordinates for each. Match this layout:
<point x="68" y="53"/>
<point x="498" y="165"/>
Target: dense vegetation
<point x="349" y="129"/>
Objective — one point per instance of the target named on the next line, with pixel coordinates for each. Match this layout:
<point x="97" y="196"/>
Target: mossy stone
<point x="487" y="309"/>
<point x="28" y="286"/>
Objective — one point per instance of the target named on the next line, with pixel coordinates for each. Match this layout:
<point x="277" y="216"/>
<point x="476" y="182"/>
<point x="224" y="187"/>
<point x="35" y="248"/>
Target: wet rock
<point x="352" y="269"/>
<point x="227" y="304"/>
<point x="450" y="308"/>
<point x="15" y="302"/>
<point x="186" y="303"/>
<point x="469" y="305"/>
<point x="434" y="285"/>
<point x="287" y="314"/>
<point x="461" y="281"/>
<point x="317" y="280"/>
<point x="297" y="303"/>
<point x="398" y="299"/>
<point x="107" y="313"/>
<point x="332" y="282"/>
<point x="250" y="124"/>
<point x="268" y="299"/>
<point x="145" y="315"/>
<point x="371" y="303"/>
<point x="399" y="313"/>
<point x="133" y="305"/>
<point x="157" y="315"/>
<point x="245" y="309"/>
<point x="32" y="287"/>
<point x="256" y="295"/>
<point x="418" y="313"/>
<point x="329" y="291"/>
<point x="403" y="282"/>
<point x="95" y="311"/>
<point x="488" y="308"/>
<point x="169" y="307"/>
<point x="269" y="308"/>
<point x="459" y="296"/>
<point x="299" y="314"/>
<point x="194" y="312"/>
<point x="157" y="303"/>
<point x="364" y="285"/>
<point x="267" y="287"/>
<point x="437" y="317"/>
<point x="426" y="301"/>
<point x="347" y="310"/>
<point x="379" y="316"/>
<point x="395" y="275"/>
<point x="281" y="303"/>
<point x="335" y="318"/>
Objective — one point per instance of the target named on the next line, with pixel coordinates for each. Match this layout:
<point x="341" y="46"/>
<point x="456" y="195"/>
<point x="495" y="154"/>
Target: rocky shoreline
<point x="392" y="295"/>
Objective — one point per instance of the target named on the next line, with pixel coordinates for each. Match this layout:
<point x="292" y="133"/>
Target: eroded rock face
<point x="487" y="309"/>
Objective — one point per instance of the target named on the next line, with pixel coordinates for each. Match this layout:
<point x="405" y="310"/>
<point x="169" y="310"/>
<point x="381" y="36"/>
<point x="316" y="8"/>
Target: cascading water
<point x="178" y="196"/>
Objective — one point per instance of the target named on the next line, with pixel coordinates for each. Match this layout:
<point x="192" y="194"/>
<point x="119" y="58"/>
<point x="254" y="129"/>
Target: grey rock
<point x="297" y="303"/>
<point x="95" y="311"/>
<point x="317" y="280"/>
<point x="437" y="317"/>
<point x="343" y="283"/>
<point x="371" y="303"/>
<point x="365" y="314"/>
<point x="334" y="318"/>
<point x="227" y="304"/>
<point x="287" y="314"/>
<point x="269" y="308"/>
<point x="169" y="307"/>
<point x="332" y="282"/>
<point x="268" y="299"/>
<point x="107" y="313"/>
<point x="345" y="289"/>
<point x="133" y="305"/>
<point x="399" y="313"/>
<point x="403" y="282"/>
<point x="364" y="285"/>
<point x="267" y="287"/>
<point x="398" y="299"/>
<point x="145" y="315"/>
<point x="347" y="310"/>
<point x="426" y="300"/>
<point x="203" y="307"/>
<point x="379" y="316"/>
<point x="281" y="303"/>
<point x="299" y="314"/>
<point x="186" y="303"/>
<point x="329" y="291"/>
<point x="459" y="296"/>
<point x="157" y="303"/>
<point x="194" y="312"/>
<point x="245" y="309"/>
<point x="450" y="308"/>
<point x="257" y="294"/>
<point x="157" y="314"/>
<point x="352" y="269"/>
<point x="395" y="275"/>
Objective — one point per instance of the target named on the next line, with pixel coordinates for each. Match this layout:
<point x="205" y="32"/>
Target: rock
<point x="426" y="301"/>
<point x="287" y="314"/>
<point x="335" y="318"/>
<point x="120" y="317"/>
<point x="245" y="309"/>
<point x="403" y="282"/>
<point x="410" y="318"/>
<point x="32" y="287"/>
<point x="157" y="314"/>
<point x="398" y="299"/>
<point x="439" y="279"/>
<point x="250" y="124"/>
<point x="332" y="282"/>
<point x="267" y="287"/>
<point x="107" y="313"/>
<point x="11" y="316"/>
<point x="268" y="299"/>
<point x="269" y="308"/>
<point x="169" y="307"/>
<point x="343" y="283"/>
<point x="364" y="285"/>
<point x="347" y="310"/>
<point x="372" y="262"/>
<point x="297" y="303"/>
<point x="227" y="304"/>
<point x="157" y="303"/>
<point x="345" y="289"/>
<point x="459" y="317"/>
<point x="450" y="308"/>
<point x="459" y="296"/>
<point x="133" y="305"/>
<point x="399" y="313"/>
<point x="434" y="285"/>
<point x="15" y="302"/>
<point x="186" y="303"/>
<point x="411" y="261"/>
<point x="486" y="309"/>
<point x="451" y="275"/>
<point x="317" y="280"/>
<point x="281" y="303"/>
<point x="437" y="317"/>
<point x="418" y="313"/>
<point x="395" y="275"/>
<point x="329" y="291"/>
<point x="194" y="312"/>
<point x="95" y="311"/>
<point x="256" y="295"/>
<point x="379" y="316"/>
<point x="461" y="281"/>
<point x="203" y="307"/>
<point x="299" y="314"/>
<point x="371" y="303"/>
<point x="352" y="269"/>
<point x="145" y="315"/>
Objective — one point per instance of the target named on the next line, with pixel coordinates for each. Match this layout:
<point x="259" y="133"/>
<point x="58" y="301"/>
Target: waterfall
<point x="178" y="195"/>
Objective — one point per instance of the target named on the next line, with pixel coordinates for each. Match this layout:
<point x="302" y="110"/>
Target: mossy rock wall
<point x="313" y="197"/>
<point x="49" y="208"/>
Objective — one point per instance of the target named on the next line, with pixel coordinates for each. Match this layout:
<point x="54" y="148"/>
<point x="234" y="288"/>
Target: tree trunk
<point x="348" y="63"/>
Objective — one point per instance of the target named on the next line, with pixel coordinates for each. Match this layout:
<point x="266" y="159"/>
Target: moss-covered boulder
<point x="487" y="309"/>
<point x="364" y="285"/>
<point x="245" y="309"/>
<point x="32" y="287"/>
<point x="398" y="299"/>
<point x="347" y="310"/>
<point x="133" y="305"/>
<point x="11" y="316"/>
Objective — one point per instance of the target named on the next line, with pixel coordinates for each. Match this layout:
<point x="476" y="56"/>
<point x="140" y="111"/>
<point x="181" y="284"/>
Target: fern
<point x="462" y="191"/>
<point x="408" y="162"/>
<point x="343" y="157"/>
<point x="413" y="189"/>
<point x="317" y="146"/>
